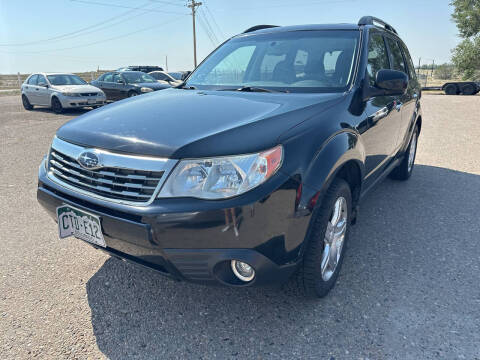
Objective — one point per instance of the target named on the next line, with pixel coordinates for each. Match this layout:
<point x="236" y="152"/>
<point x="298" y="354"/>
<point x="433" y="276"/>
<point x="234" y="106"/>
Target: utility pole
<point x="166" y="63"/>
<point x="418" y="69"/>
<point x="193" y="5"/>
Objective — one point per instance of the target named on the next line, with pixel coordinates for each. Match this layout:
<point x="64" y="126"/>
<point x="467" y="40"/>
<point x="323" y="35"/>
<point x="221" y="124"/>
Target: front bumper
<point x="81" y="101"/>
<point x="194" y="240"/>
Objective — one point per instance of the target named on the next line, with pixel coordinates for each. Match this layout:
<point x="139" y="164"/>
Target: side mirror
<point x="388" y="83"/>
<point x="392" y="81"/>
<point x="45" y="85"/>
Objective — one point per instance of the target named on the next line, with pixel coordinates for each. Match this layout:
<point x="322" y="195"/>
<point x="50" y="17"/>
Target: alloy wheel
<point x="334" y="238"/>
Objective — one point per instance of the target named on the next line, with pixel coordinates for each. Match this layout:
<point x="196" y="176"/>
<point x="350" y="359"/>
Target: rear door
<point x="380" y="129"/>
<point x="409" y="111"/>
<point x="119" y="87"/>
<point x="30" y="89"/>
<point x="406" y="102"/>
<point x="107" y="86"/>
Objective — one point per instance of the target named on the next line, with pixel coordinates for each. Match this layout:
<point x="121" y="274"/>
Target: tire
<point x="451" y="89"/>
<point x="404" y="170"/>
<point x="312" y="278"/>
<point x="468" y="89"/>
<point x="132" y="93"/>
<point x="57" y="106"/>
<point x="26" y="103"/>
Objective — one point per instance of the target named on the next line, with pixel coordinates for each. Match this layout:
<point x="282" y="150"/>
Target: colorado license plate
<point x="80" y="224"/>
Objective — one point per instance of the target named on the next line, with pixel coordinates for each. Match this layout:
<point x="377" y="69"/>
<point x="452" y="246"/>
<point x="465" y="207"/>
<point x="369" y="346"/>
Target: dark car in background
<point x="142" y="68"/>
<point x="120" y="85"/>
<point x="251" y="172"/>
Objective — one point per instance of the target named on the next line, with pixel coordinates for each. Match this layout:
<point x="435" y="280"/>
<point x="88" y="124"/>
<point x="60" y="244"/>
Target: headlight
<point x="221" y="177"/>
<point x="146" y="89"/>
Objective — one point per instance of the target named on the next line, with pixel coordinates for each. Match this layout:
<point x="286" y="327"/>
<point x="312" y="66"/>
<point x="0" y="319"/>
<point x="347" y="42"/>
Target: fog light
<point x="242" y="270"/>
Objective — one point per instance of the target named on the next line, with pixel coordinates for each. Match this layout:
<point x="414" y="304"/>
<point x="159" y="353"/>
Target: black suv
<point x="250" y="172"/>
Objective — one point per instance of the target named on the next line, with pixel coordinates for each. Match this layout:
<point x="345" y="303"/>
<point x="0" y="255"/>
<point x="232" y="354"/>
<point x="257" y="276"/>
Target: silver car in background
<point x="60" y="91"/>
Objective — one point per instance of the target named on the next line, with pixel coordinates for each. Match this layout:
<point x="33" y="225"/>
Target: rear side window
<point x="33" y="80"/>
<point x="377" y="56"/>
<point x="408" y="59"/>
<point x="396" y="56"/>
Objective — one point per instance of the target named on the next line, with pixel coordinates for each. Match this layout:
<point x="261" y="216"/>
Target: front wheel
<point x="325" y="243"/>
<point x="57" y="106"/>
<point x="26" y="103"/>
<point x="132" y="94"/>
<point x="405" y="169"/>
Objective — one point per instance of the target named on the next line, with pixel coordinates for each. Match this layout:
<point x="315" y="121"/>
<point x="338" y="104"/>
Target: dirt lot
<point x="409" y="287"/>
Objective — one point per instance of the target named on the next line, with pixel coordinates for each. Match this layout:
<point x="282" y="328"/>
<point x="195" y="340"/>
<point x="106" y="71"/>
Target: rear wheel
<point x="132" y="93"/>
<point x="26" y="103"/>
<point x="57" y="106"/>
<point x="405" y="169"/>
<point x="326" y="243"/>
<point x="451" y="89"/>
<point x="468" y="89"/>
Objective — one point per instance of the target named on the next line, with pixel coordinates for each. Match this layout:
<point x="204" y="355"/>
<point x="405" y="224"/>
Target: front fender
<point x="336" y="151"/>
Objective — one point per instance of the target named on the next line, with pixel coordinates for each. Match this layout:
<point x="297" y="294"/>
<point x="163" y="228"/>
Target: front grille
<point x="89" y="94"/>
<point x="122" y="178"/>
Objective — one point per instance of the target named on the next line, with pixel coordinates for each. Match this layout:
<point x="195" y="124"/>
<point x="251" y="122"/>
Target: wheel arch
<point x="342" y="155"/>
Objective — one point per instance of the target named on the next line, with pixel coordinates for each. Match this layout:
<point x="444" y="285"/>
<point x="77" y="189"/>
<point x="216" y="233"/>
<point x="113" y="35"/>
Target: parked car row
<point x="61" y="91"/>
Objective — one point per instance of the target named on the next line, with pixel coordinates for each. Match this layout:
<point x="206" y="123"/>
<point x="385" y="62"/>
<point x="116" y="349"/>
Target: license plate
<point x="78" y="223"/>
<point x="91" y="101"/>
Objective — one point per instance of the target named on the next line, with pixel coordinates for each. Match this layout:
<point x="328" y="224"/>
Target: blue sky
<point x="81" y="35"/>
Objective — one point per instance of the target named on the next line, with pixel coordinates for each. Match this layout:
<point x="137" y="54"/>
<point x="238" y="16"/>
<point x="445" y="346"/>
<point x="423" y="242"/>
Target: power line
<point x="208" y="28"/>
<point x="109" y="39"/>
<point x="207" y="31"/>
<point x="123" y="6"/>
<point x="215" y="22"/>
<point x="68" y="35"/>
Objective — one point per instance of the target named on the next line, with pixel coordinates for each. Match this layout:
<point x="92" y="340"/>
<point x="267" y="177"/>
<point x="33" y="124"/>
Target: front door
<point x="383" y="115"/>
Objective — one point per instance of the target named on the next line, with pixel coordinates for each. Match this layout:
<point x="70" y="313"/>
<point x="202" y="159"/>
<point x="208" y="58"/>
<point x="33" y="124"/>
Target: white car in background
<point x="60" y="91"/>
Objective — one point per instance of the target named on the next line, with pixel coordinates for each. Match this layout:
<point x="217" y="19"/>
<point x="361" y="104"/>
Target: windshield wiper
<point x="255" y="89"/>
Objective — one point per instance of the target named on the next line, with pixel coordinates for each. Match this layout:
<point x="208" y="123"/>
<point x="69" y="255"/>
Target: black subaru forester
<point x="251" y="171"/>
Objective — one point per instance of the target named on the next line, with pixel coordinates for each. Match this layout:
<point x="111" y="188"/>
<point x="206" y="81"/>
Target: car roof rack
<point x="259" y="27"/>
<point x="371" y="20"/>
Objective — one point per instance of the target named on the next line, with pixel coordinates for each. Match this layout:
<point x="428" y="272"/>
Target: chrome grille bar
<point x="126" y="179"/>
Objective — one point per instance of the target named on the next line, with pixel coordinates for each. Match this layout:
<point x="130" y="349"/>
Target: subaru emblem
<point x="89" y="160"/>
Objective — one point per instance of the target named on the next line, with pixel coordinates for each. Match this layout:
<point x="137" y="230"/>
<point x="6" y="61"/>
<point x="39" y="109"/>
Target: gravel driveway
<point x="409" y="287"/>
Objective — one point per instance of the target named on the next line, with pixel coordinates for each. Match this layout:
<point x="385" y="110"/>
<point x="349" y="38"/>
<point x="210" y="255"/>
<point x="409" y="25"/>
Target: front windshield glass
<point x="294" y="61"/>
<point x="62" y="79"/>
<point x="137" y="77"/>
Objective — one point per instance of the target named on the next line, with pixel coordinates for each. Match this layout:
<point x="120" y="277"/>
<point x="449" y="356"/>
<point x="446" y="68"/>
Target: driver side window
<point x="377" y="56"/>
<point x="117" y="79"/>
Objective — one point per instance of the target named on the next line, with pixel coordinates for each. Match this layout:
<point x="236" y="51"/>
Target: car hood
<point x="76" y="88"/>
<point x="155" y="85"/>
<point x="179" y="123"/>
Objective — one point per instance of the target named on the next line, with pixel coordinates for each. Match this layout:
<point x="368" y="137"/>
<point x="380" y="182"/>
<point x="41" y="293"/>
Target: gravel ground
<point x="409" y="287"/>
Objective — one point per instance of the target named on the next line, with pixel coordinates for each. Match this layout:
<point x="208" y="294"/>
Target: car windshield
<point x="62" y="79"/>
<point x="137" y="77"/>
<point x="293" y="61"/>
